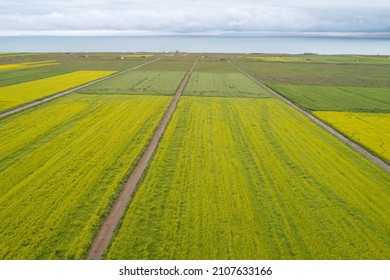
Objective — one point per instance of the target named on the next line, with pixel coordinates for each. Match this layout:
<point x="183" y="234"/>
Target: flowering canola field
<point x="25" y="65"/>
<point x="18" y="94"/>
<point x="62" y="164"/>
<point x="369" y="129"/>
<point x="246" y="178"/>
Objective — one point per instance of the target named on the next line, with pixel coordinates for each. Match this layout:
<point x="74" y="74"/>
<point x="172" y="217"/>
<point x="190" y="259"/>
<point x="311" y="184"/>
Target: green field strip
<point x="340" y="59"/>
<point x="336" y="98"/>
<point x="61" y="166"/>
<point x="318" y="73"/>
<point x="12" y="77"/>
<point x="371" y="130"/>
<point x="241" y="178"/>
<point x="223" y="85"/>
<point x="139" y="82"/>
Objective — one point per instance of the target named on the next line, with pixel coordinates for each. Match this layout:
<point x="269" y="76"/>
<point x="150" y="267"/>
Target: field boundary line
<point x="373" y="158"/>
<point x="62" y="93"/>
<point x="120" y="206"/>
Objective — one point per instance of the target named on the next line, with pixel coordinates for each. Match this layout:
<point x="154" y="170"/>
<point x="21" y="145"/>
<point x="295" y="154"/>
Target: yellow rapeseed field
<point x="15" y="95"/>
<point x="369" y="129"/>
<point x="270" y="58"/>
<point x="62" y="164"/>
<point x="252" y="178"/>
<point x="25" y="65"/>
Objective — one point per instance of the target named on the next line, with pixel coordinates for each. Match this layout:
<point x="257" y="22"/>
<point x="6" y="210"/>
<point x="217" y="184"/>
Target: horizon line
<point x="264" y="34"/>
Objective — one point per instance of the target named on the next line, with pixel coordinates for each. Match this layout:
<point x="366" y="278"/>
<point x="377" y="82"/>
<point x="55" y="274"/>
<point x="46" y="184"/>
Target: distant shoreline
<point x="197" y="44"/>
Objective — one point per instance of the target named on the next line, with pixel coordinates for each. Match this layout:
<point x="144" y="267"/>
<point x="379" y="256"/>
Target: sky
<point x="194" y="17"/>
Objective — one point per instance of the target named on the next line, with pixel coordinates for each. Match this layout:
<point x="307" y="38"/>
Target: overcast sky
<point x="140" y="17"/>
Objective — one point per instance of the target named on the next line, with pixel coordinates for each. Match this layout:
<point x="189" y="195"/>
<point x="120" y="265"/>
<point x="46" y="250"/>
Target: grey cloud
<point x="185" y="16"/>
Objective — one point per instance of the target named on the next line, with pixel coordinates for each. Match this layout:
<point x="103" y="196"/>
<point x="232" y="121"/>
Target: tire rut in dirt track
<point x="120" y="206"/>
<point x="317" y="121"/>
<point x="60" y="94"/>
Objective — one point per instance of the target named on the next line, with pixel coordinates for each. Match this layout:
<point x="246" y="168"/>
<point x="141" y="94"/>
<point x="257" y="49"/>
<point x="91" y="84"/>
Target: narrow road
<point x="58" y="95"/>
<point x="120" y="206"/>
<point x="330" y="129"/>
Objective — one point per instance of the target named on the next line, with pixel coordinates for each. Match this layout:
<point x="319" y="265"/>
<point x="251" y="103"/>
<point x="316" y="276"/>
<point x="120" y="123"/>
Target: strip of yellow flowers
<point x="369" y="129"/>
<point x="15" y="95"/>
<point x="25" y="65"/>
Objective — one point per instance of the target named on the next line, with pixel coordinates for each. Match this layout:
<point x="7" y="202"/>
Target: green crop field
<point x="243" y="178"/>
<point x="336" y="59"/>
<point x="140" y="82"/>
<point x="170" y="64"/>
<point x="334" y="74"/>
<point x="215" y="66"/>
<point x="223" y="84"/>
<point x="61" y="166"/>
<point x="336" y="98"/>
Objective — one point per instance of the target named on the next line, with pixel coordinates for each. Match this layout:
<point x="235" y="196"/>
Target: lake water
<point x="197" y="44"/>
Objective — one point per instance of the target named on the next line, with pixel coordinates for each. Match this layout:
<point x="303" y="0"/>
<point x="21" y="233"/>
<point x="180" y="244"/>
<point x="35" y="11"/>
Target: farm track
<point x="119" y="207"/>
<point x="60" y="94"/>
<point x="317" y="121"/>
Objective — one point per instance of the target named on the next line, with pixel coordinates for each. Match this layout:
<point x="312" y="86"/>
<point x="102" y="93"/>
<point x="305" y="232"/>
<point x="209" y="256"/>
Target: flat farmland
<point x="71" y="62"/>
<point x="369" y="129"/>
<point x="11" y="77"/>
<point x="319" y="73"/>
<point x="171" y="64"/>
<point x="213" y="66"/>
<point x="237" y="174"/>
<point x="25" y="65"/>
<point x="359" y="113"/>
<point x="332" y="59"/>
<point x="61" y="166"/>
<point x="139" y="82"/>
<point x="221" y="79"/>
<point x="8" y="54"/>
<point x="337" y="98"/>
<point x="251" y="178"/>
<point x="223" y="85"/>
<point x="18" y="94"/>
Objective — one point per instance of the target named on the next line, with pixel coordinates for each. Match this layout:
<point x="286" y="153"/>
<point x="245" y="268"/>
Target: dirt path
<point x="120" y="206"/>
<point x="341" y="137"/>
<point x="58" y="95"/>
